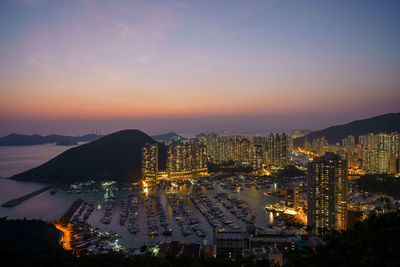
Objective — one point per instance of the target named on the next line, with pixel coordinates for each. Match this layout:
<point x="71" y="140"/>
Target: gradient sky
<point x="71" y="66"/>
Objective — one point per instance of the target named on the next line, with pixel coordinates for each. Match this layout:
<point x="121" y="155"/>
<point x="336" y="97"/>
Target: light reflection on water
<point x="51" y="207"/>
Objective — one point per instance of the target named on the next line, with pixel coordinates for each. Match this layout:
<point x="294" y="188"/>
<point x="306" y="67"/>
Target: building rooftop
<point x="231" y="235"/>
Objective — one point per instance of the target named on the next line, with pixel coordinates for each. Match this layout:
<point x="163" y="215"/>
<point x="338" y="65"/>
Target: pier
<point x="17" y="201"/>
<point x="68" y="214"/>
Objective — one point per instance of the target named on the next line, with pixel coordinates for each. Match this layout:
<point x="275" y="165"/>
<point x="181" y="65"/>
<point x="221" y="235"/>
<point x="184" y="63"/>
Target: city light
<point x="66" y="235"/>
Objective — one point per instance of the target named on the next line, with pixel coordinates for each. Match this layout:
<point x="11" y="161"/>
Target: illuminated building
<point x="292" y="197"/>
<point x="379" y="151"/>
<point x="327" y="193"/>
<point x="240" y="149"/>
<point x="150" y="161"/>
<point x="186" y="159"/>
<point x="375" y="161"/>
<point x="394" y="166"/>
<point x="299" y="133"/>
<point x="215" y="145"/>
<point x="277" y="150"/>
<point x="307" y="145"/>
<point x="296" y="134"/>
<point x="320" y="145"/>
<point x="373" y="153"/>
<point x="257" y="157"/>
<point x="349" y="141"/>
<point x="259" y="141"/>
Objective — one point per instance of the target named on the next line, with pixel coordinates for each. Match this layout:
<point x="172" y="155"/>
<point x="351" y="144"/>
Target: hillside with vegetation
<point x="372" y="242"/>
<point x="114" y="157"/>
<point x="384" y="123"/>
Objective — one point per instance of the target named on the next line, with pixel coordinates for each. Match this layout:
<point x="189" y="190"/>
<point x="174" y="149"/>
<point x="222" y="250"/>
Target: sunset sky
<point x="71" y="66"/>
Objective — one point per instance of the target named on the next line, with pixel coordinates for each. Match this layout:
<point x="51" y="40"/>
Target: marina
<point x="188" y="210"/>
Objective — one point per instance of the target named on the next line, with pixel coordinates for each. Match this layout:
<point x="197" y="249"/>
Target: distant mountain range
<point x="384" y="123"/>
<point x="113" y="157"/>
<point x="29" y="140"/>
<point x="62" y="140"/>
<point x="118" y="156"/>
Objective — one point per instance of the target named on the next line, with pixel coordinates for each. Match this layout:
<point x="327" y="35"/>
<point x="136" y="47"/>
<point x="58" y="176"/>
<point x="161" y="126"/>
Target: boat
<point x="153" y="233"/>
<point x="275" y="207"/>
<point x="133" y="229"/>
<point x="52" y="192"/>
<point x="201" y="233"/>
<point x="167" y="232"/>
<point x="106" y="220"/>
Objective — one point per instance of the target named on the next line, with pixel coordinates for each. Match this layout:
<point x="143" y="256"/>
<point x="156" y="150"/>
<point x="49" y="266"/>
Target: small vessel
<point x="167" y="232"/>
<point x="106" y="220"/>
<point x="133" y="229"/>
<point x="52" y="192"/>
<point x="201" y="233"/>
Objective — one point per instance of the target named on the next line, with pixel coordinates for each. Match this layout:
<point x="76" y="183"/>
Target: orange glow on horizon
<point x="58" y="107"/>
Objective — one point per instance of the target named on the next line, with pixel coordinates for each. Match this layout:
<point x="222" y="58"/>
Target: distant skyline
<point x="67" y="67"/>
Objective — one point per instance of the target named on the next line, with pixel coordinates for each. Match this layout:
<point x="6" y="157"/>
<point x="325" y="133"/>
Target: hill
<point x="29" y="236"/>
<point x="373" y="242"/>
<point x="114" y="157"/>
<point x="29" y="140"/>
<point x="384" y="123"/>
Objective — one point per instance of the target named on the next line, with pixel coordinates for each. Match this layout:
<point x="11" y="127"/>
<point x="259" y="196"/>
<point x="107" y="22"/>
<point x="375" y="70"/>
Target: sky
<point x="68" y="67"/>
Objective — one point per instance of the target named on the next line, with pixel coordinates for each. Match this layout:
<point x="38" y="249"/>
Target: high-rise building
<point x="238" y="148"/>
<point x="216" y="147"/>
<point x="257" y="157"/>
<point x="319" y="145"/>
<point x="277" y="150"/>
<point x="327" y="193"/>
<point x="292" y="196"/>
<point x="378" y="150"/>
<point x="375" y="161"/>
<point x="150" y="161"/>
<point x="186" y="159"/>
<point x="249" y="151"/>
<point x="349" y="141"/>
<point x="307" y="144"/>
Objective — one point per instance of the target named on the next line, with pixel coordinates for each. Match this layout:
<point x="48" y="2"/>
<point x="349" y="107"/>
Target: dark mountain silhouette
<point x="168" y="137"/>
<point x="29" y="140"/>
<point x="384" y="123"/>
<point x="114" y="157"/>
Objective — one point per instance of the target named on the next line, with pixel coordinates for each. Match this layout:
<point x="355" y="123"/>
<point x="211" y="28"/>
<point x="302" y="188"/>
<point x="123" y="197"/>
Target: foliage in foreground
<point x="373" y="242"/>
<point x="118" y="260"/>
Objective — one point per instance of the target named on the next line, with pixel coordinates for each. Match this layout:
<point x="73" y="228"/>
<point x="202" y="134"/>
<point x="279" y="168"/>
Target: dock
<point x="17" y="201"/>
<point x="68" y="214"/>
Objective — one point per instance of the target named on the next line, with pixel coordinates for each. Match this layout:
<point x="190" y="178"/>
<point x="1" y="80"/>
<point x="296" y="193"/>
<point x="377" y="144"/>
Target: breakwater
<point x="17" y="201"/>
<point x="68" y="214"/>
